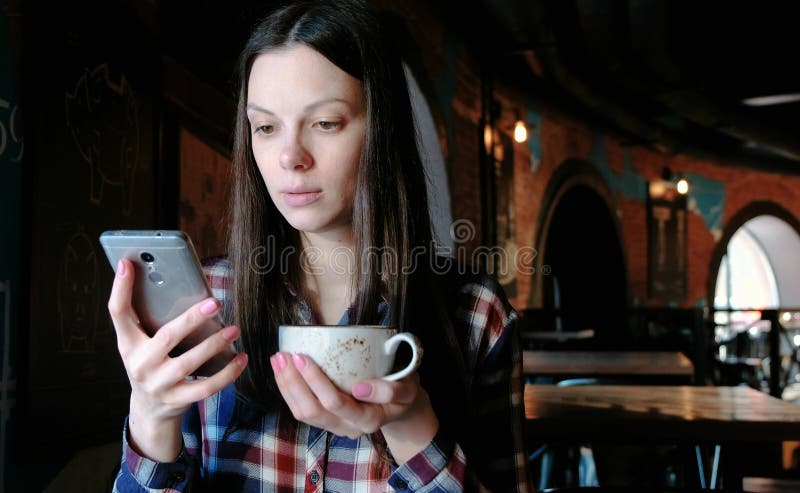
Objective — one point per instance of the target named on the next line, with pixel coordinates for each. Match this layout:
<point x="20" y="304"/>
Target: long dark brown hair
<point x="390" y="213"/>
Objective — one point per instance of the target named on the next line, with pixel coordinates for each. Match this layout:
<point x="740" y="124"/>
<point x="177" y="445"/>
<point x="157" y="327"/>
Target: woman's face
<point x="307" y="122"/>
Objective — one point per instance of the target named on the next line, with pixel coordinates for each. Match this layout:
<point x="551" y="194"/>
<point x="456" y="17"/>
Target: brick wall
<point x="718" y="191"/>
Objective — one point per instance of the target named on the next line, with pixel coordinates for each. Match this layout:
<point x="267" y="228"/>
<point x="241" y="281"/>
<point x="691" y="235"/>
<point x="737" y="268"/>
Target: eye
<point x="328" y="126"/>
<point x="264" y="129"/>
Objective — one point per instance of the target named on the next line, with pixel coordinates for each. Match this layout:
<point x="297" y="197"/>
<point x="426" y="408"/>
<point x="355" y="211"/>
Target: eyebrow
<point x="307" y="108"/>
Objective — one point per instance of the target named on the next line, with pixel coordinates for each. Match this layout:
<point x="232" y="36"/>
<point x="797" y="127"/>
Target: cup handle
<point x="390" y="348"/>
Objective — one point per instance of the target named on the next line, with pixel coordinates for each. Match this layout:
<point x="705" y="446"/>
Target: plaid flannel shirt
<point x="281" y="454"/>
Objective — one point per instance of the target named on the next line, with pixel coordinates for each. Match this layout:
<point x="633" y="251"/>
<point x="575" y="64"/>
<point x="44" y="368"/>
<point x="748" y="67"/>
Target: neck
<point x="328" y="267"/>
<point x="329" y="242"/>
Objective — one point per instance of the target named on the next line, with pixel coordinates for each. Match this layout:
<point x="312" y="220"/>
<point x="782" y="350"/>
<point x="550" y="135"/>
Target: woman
<point x="325" y="161"/>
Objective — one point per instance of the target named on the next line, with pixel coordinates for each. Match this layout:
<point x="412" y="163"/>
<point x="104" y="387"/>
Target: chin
<point x="317" y="225"/>
<point x="307" y="225"/>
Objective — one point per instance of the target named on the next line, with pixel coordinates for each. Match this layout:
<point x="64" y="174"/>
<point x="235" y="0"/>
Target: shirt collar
<point x="307" y="317"/>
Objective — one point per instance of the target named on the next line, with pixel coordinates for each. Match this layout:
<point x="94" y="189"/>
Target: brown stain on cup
<point x="335" y="355"/>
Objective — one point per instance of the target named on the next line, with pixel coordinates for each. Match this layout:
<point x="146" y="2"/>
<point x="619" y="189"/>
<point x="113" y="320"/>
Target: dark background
<point x="667" y="75"/>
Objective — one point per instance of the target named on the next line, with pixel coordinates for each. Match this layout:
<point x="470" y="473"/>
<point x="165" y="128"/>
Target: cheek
<point x="350" y="168"/>
<point x="347" y="179"/>
<point x="270" y="182"/>
<point x="263" y="159"/>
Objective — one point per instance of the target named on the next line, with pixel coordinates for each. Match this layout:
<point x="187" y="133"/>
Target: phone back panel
<point x="169" y="276"/>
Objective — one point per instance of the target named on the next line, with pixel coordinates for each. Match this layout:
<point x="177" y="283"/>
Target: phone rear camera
<point x="147" y="257"/>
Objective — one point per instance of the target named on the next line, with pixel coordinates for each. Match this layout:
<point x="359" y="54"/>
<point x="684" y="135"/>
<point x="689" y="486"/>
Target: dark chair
<point x="581" y="456"/>
<point x="581" y="470"/>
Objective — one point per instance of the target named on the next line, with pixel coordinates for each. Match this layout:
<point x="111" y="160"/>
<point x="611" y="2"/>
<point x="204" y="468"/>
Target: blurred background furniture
<point x="627" y="364"/>
<point x="730" y="417"/>
<point x="676" y="330"/>
<point x="759" y="347"/>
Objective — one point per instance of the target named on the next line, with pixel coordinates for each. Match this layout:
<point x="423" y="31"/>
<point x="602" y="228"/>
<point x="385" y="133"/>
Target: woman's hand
<point x="160" y="391"/>
<point x="401" y="409"/>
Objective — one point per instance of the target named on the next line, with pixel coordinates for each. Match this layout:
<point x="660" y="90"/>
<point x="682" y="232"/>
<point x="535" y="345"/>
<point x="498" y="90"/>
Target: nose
<point x="294" y="155"/>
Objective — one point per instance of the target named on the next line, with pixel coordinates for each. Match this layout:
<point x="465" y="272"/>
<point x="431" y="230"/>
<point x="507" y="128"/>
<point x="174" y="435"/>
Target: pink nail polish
<point x="280" y="360"/>
<point x="230" y="333"/>
<point x="121" y="268"/>
<point x="361" y="390"/>
<point x="299" y="361"/>
<point x="209" y="307"/>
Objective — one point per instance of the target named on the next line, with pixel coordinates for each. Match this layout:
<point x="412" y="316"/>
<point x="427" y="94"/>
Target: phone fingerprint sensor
<point x="156" y="278"/>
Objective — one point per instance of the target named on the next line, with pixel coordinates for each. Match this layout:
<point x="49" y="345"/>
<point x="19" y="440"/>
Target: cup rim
<point x="336" y="326"/>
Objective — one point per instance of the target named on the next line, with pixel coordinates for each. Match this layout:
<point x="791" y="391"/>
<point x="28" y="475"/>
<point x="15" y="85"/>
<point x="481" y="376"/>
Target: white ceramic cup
<point x="349" y="353"/>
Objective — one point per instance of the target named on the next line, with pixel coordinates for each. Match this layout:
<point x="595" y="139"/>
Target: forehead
<point x="297" y="75"/>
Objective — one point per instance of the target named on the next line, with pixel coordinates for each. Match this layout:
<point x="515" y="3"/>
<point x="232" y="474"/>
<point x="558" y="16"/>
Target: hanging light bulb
<point x="520" y="131"/>
<point x="683" y="186"/>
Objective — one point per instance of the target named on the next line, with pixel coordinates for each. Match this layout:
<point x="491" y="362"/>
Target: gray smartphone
<point x="169" y="279"/>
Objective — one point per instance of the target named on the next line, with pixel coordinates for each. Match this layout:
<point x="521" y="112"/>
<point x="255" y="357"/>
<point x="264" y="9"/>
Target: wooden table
<point x="727" y="416"/>
<point x="594" y="363"/>
<point x="556" y="335"/>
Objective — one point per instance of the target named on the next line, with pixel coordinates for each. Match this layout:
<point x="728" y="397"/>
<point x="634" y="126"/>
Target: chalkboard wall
<point x="11" y="152"/>
<point x="91" y="141"/>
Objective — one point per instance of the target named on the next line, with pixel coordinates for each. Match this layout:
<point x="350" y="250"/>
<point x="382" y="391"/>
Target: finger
<point x="184" y="365"/>
<point x="305" y="406"/>
<point x="294" y="388"/>
<point x="328" y="394"/>
<point x="120" y="307"/>
<point x="176" y="330"/>
<point x="364" y="418"/>
<point x="278" y="362"/>
<point x="189" y="391"/>
<point x="378" y="391"/>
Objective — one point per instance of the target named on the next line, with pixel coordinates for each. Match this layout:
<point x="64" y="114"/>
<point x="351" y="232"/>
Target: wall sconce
<point x="520" y="132"/>
<point x="669" y="180"/>
<point x="520" y="128"/>
<point x="490" y="137"/>
<point x="682" y="185"/>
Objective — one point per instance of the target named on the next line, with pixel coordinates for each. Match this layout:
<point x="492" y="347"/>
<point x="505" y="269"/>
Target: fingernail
<point x="280" y="360"/>
<point x="299" y="361"/>
<point x="121" y="268"/>
<point x="273" y="363"/>
<point x="362" y="389"/>
<point x="241" y="359"/>
<point x="209" y="307"/>
<point x="230" y="333"/>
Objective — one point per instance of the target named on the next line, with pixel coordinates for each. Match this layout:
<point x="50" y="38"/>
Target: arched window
<point x="746" y="278"/>
<point x="758" y="271"/>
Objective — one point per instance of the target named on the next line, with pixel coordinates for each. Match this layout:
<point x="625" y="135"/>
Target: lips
<point x="300" y="198"/>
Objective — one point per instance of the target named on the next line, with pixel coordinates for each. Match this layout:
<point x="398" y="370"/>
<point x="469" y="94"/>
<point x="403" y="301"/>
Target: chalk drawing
<point x="77" y="295"/>
<point x="103" y="119"/>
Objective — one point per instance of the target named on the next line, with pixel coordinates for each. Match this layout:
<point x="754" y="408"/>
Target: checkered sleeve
<point x="140" y="474"/>
<point x="495" y="447"/>
<point x="439" y="468"/>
